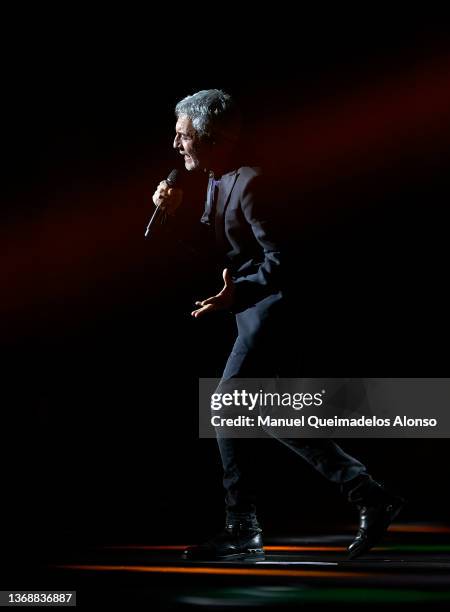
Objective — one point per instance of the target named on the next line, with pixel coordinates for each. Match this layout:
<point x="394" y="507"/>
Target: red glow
<point x="80" y="249"/>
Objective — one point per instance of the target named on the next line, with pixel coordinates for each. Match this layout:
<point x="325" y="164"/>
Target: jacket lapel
<point x="227" y="183"/>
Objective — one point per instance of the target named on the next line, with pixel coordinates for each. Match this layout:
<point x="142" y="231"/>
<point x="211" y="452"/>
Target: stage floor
<point x="412" y="566"/>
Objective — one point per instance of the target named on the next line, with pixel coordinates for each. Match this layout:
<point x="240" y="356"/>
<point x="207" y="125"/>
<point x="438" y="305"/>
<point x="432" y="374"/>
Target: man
<point x="256" y="290"/>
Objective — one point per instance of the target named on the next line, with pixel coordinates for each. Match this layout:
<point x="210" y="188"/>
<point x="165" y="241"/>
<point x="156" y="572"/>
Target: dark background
<point x="101" y="355"/>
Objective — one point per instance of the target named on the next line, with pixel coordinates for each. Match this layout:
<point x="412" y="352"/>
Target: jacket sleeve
<point x="264" y="276"/>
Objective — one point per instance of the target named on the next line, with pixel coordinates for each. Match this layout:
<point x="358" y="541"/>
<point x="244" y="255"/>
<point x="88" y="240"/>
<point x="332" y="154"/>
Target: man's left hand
<point x="222" y="301"/>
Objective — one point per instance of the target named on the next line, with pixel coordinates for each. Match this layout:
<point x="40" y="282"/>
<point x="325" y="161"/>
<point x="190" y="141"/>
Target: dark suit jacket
<point x="250" y="241"/>
<point x="248" y="237"/>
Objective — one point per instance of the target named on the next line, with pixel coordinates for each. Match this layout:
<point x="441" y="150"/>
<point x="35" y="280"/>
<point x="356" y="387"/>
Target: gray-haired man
<point x="240" y="213"/>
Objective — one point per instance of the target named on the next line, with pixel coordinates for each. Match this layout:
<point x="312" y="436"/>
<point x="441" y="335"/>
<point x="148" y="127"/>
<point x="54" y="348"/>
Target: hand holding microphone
<point x="167" y="198"/>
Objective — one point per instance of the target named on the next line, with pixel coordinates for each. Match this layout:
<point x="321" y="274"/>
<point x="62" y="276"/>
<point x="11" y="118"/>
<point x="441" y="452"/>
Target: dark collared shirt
<point x="211" y="199"/>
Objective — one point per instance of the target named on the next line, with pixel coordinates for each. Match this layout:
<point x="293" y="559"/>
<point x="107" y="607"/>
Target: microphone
<point x="160" y="215"/>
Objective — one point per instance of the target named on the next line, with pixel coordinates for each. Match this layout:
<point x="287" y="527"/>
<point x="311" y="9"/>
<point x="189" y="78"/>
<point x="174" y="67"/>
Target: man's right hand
<point x="169" y="198"/>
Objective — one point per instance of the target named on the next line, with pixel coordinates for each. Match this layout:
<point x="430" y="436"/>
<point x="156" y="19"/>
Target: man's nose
<point x="176" y="142"/>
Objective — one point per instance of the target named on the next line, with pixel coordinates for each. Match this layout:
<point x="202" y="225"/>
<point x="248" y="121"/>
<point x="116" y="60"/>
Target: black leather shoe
<point x="241" y="540"/>
<point x="373" y="523"/>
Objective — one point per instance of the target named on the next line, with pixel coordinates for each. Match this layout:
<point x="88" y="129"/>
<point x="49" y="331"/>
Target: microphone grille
<point x="173" y="177"/>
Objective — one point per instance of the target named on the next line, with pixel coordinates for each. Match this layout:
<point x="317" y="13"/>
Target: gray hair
<point x="213" y="113"/>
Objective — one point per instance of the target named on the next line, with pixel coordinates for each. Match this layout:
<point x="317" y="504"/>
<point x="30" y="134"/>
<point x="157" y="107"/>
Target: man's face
<point x="188" y="144"/>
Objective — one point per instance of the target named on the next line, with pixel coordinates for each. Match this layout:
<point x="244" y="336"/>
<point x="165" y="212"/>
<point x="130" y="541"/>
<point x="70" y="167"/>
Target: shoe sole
<point x="250" y="555"/>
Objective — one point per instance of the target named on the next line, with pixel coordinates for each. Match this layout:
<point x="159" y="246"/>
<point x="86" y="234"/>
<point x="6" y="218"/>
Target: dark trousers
<point x="259" y="352"/>
<point x="238" y="462"/>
